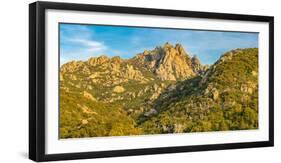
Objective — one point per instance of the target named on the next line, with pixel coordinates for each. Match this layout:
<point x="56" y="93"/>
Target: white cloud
<point x="90" y="45"/>
<point x="78" y="43"/>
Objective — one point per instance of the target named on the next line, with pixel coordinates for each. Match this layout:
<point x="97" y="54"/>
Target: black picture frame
<point x="37" y="80"/>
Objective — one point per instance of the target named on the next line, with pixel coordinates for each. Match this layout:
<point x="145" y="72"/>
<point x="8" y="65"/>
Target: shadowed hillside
<point x="163" y="90"/>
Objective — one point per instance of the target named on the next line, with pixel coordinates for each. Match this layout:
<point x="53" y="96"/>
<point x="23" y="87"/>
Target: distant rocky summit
<point x="197" y="67"/>
<point x="163" y="90"/>
<point x="168" y="62"/>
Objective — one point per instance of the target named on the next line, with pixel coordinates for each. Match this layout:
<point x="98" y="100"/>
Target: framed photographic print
<point x="111" y="81"/>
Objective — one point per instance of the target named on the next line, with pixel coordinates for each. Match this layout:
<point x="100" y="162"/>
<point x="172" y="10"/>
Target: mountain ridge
<point x="162" y="90"/>
<point x="167" y="62"/>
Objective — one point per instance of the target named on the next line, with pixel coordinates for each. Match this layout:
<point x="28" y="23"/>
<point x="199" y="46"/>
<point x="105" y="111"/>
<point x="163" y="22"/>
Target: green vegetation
<point x="80" y="117"/>
<point x="115" y="97"/>
<point x="226" y="98"/>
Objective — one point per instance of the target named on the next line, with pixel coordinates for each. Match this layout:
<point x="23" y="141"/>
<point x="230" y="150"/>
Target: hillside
<point x="225" y="98"/>
<point x="163" y="90"/>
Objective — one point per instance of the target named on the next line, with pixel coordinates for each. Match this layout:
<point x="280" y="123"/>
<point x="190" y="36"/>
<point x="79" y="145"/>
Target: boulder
<point x="150" y="113"/>
<point x="84" y="121"/>
<point x="88" y="96"/>
<point x="118" y="89"/>
<point x="215" y="94"/>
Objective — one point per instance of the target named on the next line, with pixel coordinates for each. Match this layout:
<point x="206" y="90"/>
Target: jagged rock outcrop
<point x="197" y="67"/>
<point x="131" y="73"/>
<point x="98" y="60"/>
<point x="168" y="62"/>
<point x="72" y="66"/>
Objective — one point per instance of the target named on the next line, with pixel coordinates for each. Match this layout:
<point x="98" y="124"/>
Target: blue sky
<point x="80" y="42"/>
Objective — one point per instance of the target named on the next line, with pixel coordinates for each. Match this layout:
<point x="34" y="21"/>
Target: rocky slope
<point x="169" y="62"/>
<point x="224" y="98"/>
<point x="111" y="96"/>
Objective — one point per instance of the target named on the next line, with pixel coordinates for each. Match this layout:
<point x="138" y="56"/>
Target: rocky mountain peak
<point x="116" y="59"/>
<point x="98" y="60"/>
<point x="168" y="62"/>
<point x="180" y="49"/>
<point x="195" y="60"/>
<point x="197" y="67"/>
<point x="167" y="45"/>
